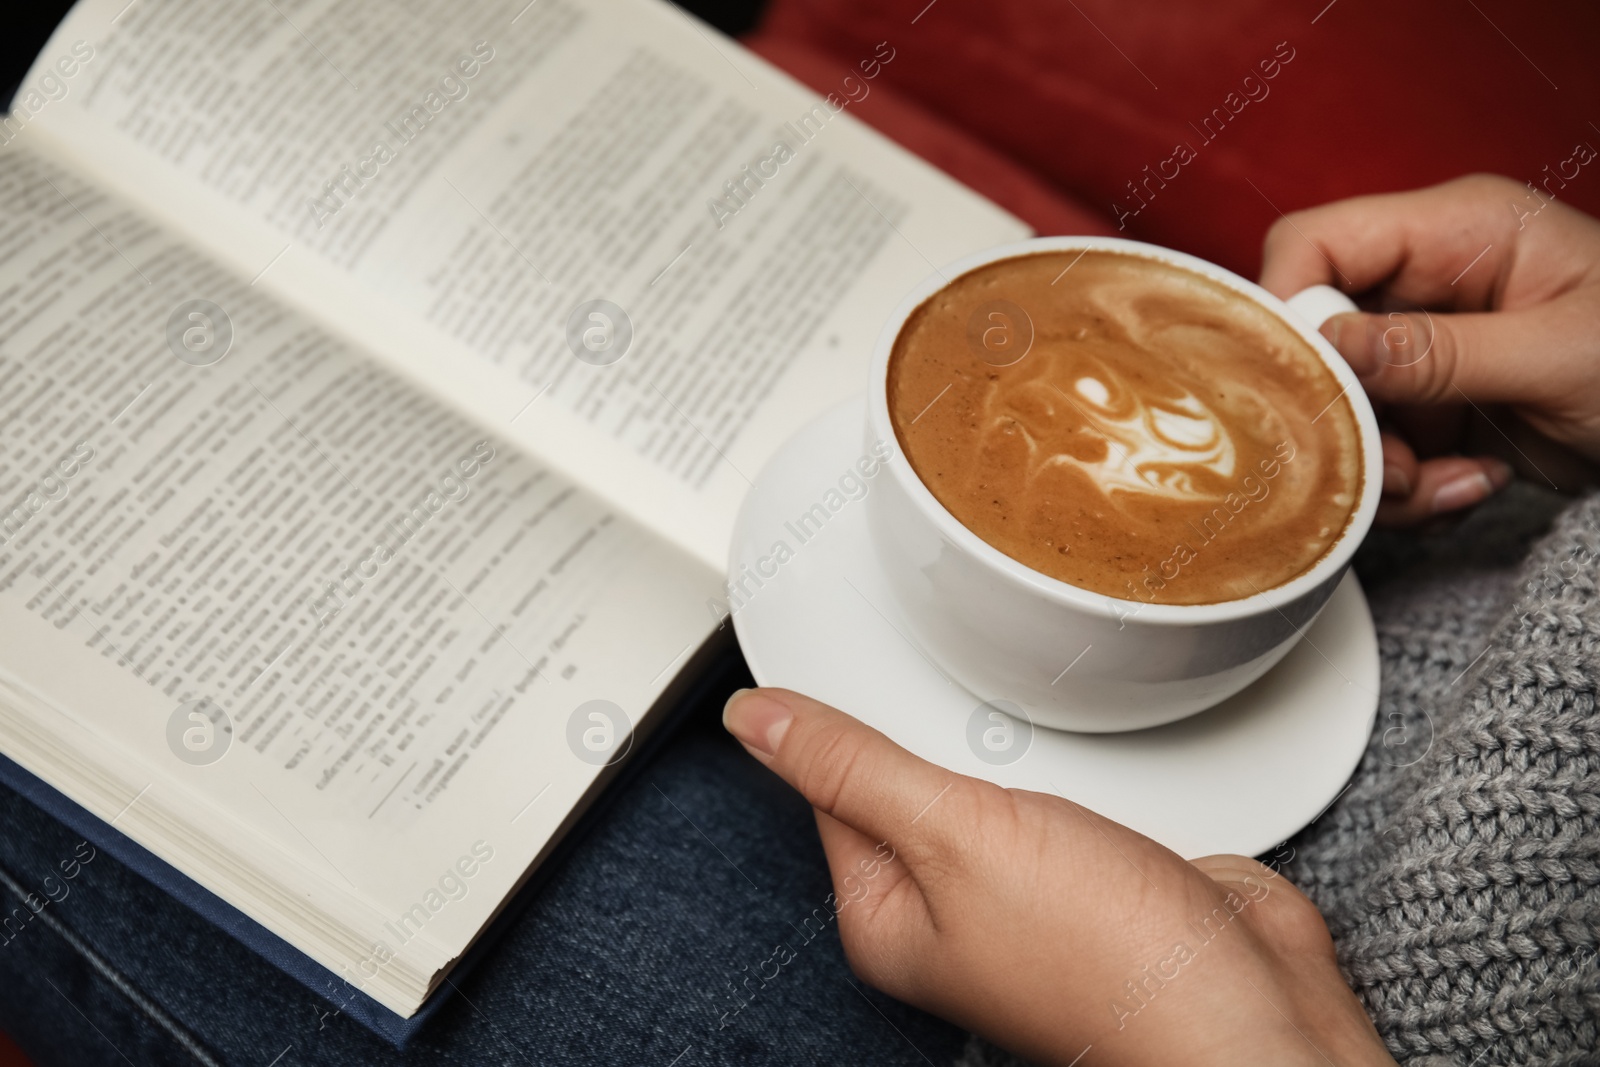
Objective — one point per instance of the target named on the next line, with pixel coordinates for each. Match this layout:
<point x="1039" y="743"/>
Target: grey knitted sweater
<point x="1460" y="870"/>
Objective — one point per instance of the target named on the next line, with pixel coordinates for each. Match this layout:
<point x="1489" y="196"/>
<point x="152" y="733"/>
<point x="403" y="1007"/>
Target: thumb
<point x="1419" y="357"/>
<point x="845" y="768"/>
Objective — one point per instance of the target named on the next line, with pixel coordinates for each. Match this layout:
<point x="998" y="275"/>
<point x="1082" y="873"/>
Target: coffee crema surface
<point x="1127" y="426"/>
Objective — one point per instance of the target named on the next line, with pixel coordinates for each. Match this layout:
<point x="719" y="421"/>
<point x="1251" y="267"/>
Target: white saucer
<point x="1241" y="777"/>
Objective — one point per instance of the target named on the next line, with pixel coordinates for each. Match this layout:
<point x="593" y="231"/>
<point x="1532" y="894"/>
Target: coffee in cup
<point x="1203" y="455"/>
<point x="1127" y="426"/>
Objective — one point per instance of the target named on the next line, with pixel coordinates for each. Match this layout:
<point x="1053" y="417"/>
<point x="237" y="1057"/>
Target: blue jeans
<point x="642" y="948"/>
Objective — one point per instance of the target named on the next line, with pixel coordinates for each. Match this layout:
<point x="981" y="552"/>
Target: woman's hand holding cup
<point x="1501" y="372"/>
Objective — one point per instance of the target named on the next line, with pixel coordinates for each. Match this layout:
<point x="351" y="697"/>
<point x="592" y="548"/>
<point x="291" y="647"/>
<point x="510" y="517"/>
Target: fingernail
<point x="758" y="721"/>
<point x="1395" y="482"/>
<point x="1346" y="332"/>
<point x="1500" y="473"/>
<point x="1461" y="492"/>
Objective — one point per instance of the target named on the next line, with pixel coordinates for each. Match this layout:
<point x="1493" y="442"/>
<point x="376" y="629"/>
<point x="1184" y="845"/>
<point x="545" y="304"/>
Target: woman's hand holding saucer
<point x="1054" y="932"/>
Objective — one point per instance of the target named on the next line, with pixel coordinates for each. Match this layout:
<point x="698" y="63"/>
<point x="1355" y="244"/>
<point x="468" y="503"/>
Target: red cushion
<point x="951" y="149"/>
<point x="1373" y="97"/>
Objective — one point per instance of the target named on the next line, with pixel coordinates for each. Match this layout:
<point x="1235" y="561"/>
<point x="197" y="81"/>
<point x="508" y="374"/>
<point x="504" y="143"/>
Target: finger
<point x="1235" y="870"/>
<point x="846" y="846"/>
<point x="1290" y="921"/>
<point x="1512" y="436"/>
<point x="866" y="875"/>
<point x="1420" y="357"/>
<point x="843" y="767"/>
<point x="1446" y="485"/>
<point x="861" y="866"/>
<point x="1399" y="467"/>
<point x="1416" y="243"/>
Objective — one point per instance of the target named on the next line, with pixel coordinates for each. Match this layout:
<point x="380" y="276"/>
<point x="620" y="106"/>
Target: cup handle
<point x="1320" y="303"/>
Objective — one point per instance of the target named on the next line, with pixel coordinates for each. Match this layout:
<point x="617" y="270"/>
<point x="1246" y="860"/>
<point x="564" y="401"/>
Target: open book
<point x="380" y="386"/>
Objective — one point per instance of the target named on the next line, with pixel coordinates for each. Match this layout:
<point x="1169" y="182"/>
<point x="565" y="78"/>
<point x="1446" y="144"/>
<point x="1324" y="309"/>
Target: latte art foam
<point x="1164" y="439"/>
<point x="1156" y="447"/>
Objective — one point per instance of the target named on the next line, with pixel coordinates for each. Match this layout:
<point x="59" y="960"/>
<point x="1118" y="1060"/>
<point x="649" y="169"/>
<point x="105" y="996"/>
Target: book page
<point x="295" y="627"/>
<point x="596" y="225"/>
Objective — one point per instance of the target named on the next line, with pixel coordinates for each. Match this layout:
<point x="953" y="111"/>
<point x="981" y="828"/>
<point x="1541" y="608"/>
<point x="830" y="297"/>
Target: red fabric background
<point x="1084" y="94"/>
<point x="965" y="157"/>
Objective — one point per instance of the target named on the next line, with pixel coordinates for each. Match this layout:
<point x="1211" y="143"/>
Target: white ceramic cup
<point x="1007" y="632"/>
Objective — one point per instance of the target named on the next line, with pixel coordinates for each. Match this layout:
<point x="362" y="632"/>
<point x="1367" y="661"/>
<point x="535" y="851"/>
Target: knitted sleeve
<point x="1460" y="873"/>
